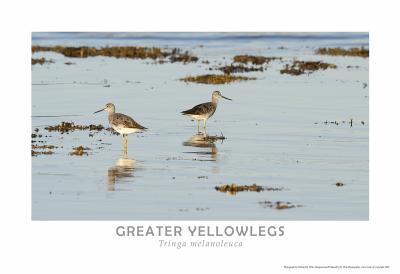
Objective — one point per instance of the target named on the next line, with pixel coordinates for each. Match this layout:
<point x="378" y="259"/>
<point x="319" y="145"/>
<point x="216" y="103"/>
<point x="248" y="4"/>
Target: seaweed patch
<point x="70" y="126"/>
<point x="132" y="52"/>
<point x="301" y="67"/>
<point x="355" y="52"/>
<point x="255" y="60"/>
<point x="215" y="79"/>
<point x="278" y="205"/>
<point x="234" y="188"/>
<point x="79" y="151"/>
<point x="40" y="61"/>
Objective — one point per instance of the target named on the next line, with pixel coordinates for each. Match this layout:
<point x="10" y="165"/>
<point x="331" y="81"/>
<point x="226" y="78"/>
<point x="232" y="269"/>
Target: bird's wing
<point x="199" y="109"/>
<point x="122" y="120"/>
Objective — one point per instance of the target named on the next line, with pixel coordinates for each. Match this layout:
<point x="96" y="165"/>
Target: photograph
<point x="200" y="126"/>
<point x="204" y="137"/>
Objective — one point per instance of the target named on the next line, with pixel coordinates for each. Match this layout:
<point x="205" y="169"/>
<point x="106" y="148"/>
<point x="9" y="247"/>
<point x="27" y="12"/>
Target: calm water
<point x="276" y="136"/>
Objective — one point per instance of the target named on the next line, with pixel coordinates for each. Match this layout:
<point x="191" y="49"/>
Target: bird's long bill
<point x="99" y="110"/>
<point x="226" y="98"/>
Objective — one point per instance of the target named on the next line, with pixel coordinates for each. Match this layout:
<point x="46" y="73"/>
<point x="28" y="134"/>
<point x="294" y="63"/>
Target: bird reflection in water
<point x="202" y="140"/>
<point x="123" y="168"/>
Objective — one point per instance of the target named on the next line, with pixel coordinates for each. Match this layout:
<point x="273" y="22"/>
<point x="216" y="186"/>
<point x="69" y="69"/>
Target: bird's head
<point x="110" y="108"/>
<point x="217" y="94"/>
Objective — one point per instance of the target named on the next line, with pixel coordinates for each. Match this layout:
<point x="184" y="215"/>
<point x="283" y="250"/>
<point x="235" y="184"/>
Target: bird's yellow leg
<point x="125" y="155"/>
<point x="198" y="126"/>
<point x="125" y="142"/>
<point x="205" y="126"/>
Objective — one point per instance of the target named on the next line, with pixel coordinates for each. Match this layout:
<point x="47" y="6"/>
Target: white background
<point x="93" y="247"/>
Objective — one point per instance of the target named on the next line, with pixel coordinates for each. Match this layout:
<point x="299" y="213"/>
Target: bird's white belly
<point x="122" y="130"/>
<point x="199" y="117"/>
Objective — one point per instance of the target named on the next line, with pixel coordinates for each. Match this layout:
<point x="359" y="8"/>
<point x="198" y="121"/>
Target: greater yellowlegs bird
<point x="205" y="110"/>
<point x="122" y="123"/>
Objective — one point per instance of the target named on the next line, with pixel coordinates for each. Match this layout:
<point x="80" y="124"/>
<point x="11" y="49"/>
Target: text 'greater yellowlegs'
<point x="122" y="123"/>
<point x="205" y="110"/>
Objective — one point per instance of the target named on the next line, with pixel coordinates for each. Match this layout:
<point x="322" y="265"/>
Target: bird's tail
<point x="185" y="112"/>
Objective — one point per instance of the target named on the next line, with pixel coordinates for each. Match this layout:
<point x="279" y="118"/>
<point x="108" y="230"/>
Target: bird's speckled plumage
<point x="207" y="109"/>
<point x="122" y="124"/>
<point x="120" y="120"/>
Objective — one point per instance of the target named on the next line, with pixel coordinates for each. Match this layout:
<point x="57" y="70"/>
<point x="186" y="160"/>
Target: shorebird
<point x="205" y="110"/>
<point x="122" y="123"/>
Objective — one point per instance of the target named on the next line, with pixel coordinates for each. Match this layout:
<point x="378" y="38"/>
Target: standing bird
<point x="205" y="110"/>
<point x="122" y="123"/>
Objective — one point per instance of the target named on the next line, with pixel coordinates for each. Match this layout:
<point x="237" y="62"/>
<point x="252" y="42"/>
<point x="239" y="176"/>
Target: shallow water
<point x="275" y="130"/>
